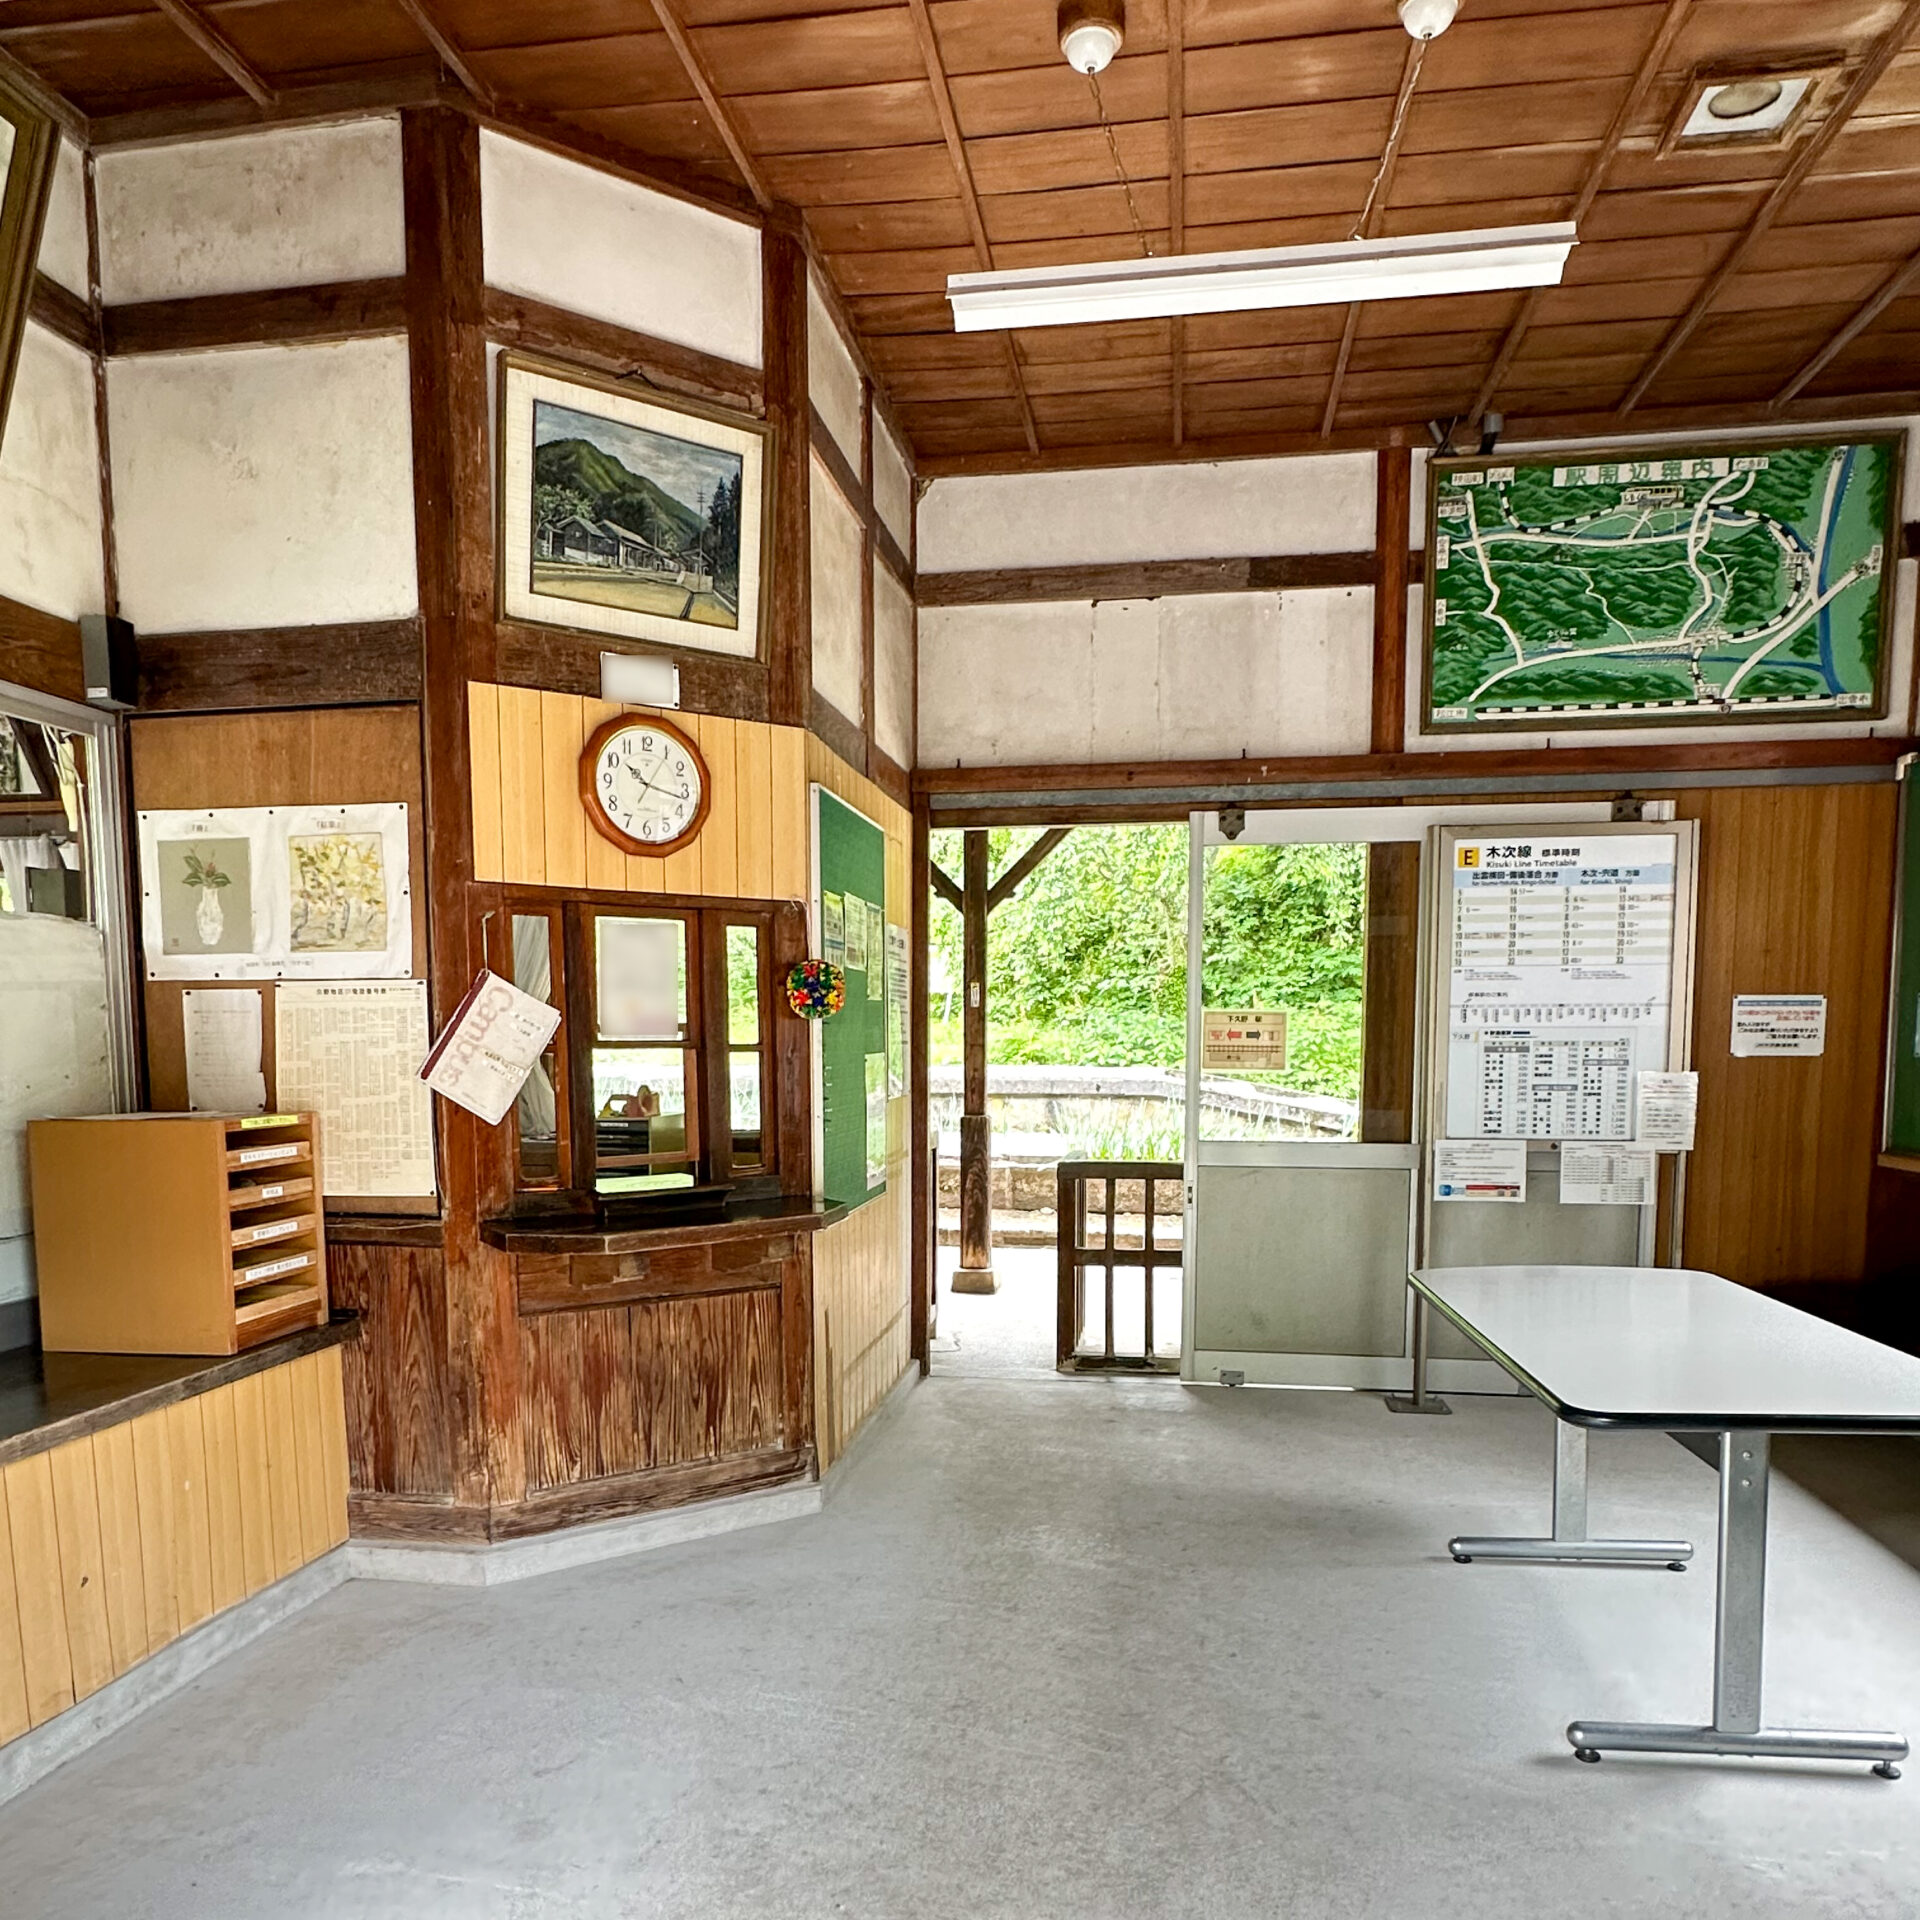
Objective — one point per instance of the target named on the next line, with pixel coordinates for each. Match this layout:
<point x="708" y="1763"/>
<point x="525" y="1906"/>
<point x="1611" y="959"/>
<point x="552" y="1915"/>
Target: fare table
<point x="1679" y="1351"/>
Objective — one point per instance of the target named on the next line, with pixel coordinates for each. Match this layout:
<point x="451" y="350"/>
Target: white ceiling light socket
<point x="1428" y="19"/>
<point x="1091" y="33"/>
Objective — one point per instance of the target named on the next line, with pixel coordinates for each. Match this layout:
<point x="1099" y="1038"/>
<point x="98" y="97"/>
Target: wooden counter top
<point x="47" y="1399"/>
<point x="587" y="1233"/>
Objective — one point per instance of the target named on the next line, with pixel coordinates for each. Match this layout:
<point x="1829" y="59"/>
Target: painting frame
<point x="23" y="214"/>
<point x="619" y="596"/>
<point x="1629" y="717"/>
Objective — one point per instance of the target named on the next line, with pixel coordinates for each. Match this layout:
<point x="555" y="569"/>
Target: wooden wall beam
<point x="533" y="326"/>
<point x="1177" y="196"/>
<point x="340" y="310"/>
<point x="789" y="614"/>
<point x="868" y="515"/>
<point x="1811" y="151"/>
<point x="731" y="137"/>
<point x="1150" y="579"/>
<point x="363" y="663"/>
<point x="41" y="651"/>
<point x="969" y="195"/>
<point x="411" y="84"/>
<point x="452" y="493"/>
<point x="213" y="42"/>
<point x="920" y="1159"/>
<point x="64" y="313"/>
<point x="451" y="57"/>
<point x="1644" y="76"/>
<point x="1393" y="507"/>
<point x="56" y="106"/>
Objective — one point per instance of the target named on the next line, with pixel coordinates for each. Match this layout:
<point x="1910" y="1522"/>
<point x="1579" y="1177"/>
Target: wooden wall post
<point x="1393" y="504"/>
<point x="447" y="364"/>
<point x="924" y="1149"/>
<point x="783" y="260"/>
<point x="975" y="1273"/>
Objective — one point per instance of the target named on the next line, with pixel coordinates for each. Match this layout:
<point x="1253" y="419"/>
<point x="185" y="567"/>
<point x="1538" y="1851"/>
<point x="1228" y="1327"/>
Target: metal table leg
<point x="1739" y="1619"/>
<point x="1570" y="1540"/>
<point x="1419" y="1400"/>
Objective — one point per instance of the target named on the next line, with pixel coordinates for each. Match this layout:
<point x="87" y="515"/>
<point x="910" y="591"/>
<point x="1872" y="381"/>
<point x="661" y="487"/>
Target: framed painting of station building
<point x="640" y="518"/>
<point x="1747" y="581"/>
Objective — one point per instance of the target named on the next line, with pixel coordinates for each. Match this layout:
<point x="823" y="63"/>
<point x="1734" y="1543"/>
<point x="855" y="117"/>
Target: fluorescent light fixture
<point x="1405" y="268"/>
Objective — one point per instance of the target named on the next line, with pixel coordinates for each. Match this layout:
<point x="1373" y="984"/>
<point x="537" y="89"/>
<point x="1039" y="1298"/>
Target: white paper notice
<point x="1606" y="1176"/>
<point x="489" y="1047"/>
<point x="897" y="984"/>
<point x="348" y="1050"/>
<point x="1667" y="1106"/>
<point x="1559" y="982"/>
<point x="222" y="1028"/>
<point x="1785" y="1024"/>
<point x="1480" y="1170"/>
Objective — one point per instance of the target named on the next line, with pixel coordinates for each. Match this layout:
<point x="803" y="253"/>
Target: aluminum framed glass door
<point x="1304" y="1168"/>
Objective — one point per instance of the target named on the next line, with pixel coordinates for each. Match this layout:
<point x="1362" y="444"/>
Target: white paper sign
<point x="1606" y="1176"/>
<point x="897" y="984"/>
<point x="222" y="1031"/>
<point x="1250" y="1038"/>
<point x="1665" y="1111"/>
<point x="1788" y="1024"/>
<point x="346" y="1050"/>
<point x="489" y="1047"/>
<point x="1480" y="1170"/>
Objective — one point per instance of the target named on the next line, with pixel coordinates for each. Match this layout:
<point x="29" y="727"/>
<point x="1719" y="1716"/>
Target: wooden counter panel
<point x="556" y="1282"/>
<point x="396" y="1373"/>
<point x="620" y="1390"/>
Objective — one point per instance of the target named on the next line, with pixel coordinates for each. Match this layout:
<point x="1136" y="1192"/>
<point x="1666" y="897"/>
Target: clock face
<point x="648" y="784"/>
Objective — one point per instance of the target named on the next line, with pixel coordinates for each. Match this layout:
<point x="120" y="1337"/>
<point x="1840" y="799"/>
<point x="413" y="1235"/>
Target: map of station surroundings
<point x="1744" y="583"/>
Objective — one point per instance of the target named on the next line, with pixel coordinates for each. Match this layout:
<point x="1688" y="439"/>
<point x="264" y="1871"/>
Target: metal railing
<point x="1078" y="1256"/>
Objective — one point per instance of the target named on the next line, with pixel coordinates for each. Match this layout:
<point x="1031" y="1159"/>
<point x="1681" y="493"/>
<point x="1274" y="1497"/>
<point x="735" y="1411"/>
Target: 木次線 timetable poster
<point x="1559" y="983"/>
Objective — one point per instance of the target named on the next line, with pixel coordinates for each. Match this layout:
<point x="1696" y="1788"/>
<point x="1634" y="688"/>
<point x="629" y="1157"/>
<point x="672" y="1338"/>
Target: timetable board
<point x="1560" y="980"/>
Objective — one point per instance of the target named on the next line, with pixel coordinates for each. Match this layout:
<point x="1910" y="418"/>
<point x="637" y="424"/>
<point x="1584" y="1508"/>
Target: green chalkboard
<point x="850" y="868"/>
<point x="1903" y="1040"/>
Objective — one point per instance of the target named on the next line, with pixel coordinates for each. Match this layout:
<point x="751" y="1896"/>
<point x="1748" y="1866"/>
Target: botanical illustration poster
<point x="254" y="893"/>
<point x="632" y="517"/>
<point x="205" y="891"/>
<point x="1741" y="582"/>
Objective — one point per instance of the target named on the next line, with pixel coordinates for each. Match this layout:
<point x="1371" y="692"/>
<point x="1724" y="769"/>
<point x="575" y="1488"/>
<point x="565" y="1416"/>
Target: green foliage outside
<point x="1086" y="965"/>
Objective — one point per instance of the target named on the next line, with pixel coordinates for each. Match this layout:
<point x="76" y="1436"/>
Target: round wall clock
<point x="644" y="784"/>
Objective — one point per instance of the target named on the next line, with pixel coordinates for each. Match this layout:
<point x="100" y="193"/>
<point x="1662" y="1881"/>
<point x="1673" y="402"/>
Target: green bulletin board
<point x="1903" y="1039"/>
<point x="850" y="871"/>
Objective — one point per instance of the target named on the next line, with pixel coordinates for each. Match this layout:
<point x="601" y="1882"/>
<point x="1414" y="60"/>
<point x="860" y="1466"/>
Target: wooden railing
<point x="1078" y="1257"/>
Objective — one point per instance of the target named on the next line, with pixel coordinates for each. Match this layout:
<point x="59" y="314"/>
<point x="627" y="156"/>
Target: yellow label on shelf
<point x="268" y="1120"/>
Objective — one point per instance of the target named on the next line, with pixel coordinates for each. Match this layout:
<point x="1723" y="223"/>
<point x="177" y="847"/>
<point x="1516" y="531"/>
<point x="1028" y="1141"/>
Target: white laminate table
<point x="1682" y="1352"/>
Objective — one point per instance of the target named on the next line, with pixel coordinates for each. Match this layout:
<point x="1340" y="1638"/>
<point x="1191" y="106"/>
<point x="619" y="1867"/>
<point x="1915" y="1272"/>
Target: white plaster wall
<point x="63" y="240"/>
<point x="578" y="238"/>
<point x="268" y="486"/>
<point x="293" y="207"/>
<point x="893" y="715"/>
<point x="837" y="642"/>
<point x="892" y="486"/>
<point x="50" y="544"/>
<point x="1199" y="677"/>
<point x="833" y="381"/>
<point x="1315" y="503"/>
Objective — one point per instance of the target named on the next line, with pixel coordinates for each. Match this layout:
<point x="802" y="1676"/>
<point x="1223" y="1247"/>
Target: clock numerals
<point x="647" y="787"/>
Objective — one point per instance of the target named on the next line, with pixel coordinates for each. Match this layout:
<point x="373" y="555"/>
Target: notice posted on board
<point x="1480" y="1170"/>
<point x="1779" y="1025"/>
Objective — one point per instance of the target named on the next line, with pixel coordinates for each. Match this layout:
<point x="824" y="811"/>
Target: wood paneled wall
<point x="530" y="829"/>
<point x="114" y="1545"/>
<point x="396" y="1372"/>
<point x="1796" y="896"/>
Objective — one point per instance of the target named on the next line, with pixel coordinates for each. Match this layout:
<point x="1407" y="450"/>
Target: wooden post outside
<point x="975" y="1272"/>
<point x="926" y="1149"/>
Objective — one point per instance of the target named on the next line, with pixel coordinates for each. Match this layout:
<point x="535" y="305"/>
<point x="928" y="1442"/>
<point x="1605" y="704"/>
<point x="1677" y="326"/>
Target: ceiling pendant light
<point x="1405" y="267"/>
<point x="1091" y="33"/>
<point x="1428" y="19"/>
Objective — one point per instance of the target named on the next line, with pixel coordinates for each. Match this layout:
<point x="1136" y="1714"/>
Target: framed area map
<point x="1739" y="582"/>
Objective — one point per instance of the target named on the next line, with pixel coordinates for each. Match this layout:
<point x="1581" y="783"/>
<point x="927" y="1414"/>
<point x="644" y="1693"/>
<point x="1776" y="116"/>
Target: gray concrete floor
<point x="1057" y="1647"/>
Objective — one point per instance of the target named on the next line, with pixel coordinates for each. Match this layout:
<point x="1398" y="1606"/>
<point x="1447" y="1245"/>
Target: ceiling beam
<point x="451" y="57"/>
<point x="969" y="195"/>
<point x="221" y="51"/>
<point x="1644" y="76"/>
<point x="1866" y="77"/>
<point x="1177" y="195"/>
<point x="1902" y="280"/>
<point x="1373" y="215"/>
<point x="56" y="106"/>
<point x="717" y="109"/>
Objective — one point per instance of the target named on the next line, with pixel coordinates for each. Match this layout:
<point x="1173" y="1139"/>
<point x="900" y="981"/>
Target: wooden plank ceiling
<point x="923" y="137"/>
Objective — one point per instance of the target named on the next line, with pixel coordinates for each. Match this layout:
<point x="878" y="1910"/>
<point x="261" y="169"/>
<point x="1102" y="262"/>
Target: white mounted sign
<point x="1480" y="1170"/>
<point x="1664" y="1115"/>
<point x="1251" y="1039"/>
<point x="1607" y="1176"/>
<point x="1787" y="1025"/>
